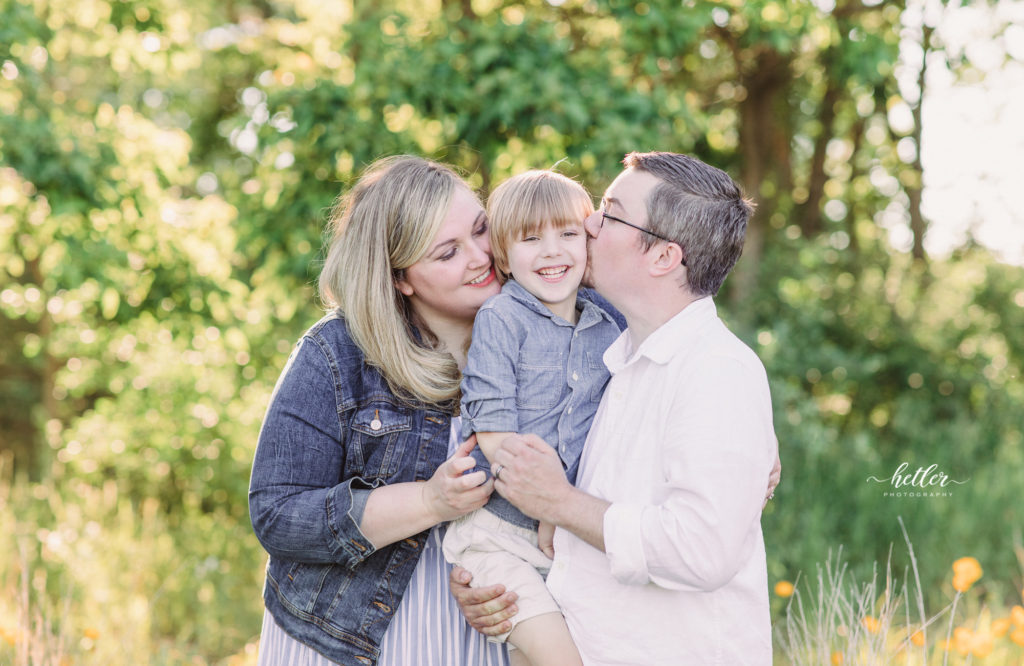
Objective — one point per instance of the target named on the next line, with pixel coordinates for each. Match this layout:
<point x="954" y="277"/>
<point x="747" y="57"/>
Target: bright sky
<point x="973" y="140"/>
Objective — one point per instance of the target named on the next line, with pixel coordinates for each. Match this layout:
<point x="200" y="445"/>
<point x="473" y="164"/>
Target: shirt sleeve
<point x="489" y="380"/>
<point x="298" y="508"/>
<point x="716" y="457"/>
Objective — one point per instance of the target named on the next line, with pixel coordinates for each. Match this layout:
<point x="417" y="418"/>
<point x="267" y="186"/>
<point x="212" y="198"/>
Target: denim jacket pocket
<point x="304" y="582"/>
<point x="540" y="379"/>
<point x="379" y="440"/>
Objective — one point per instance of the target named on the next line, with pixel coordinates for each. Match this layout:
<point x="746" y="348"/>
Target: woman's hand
<point x="487" y="609"/>
<point x="450" y="492"/>
<point x="773" y="477"/>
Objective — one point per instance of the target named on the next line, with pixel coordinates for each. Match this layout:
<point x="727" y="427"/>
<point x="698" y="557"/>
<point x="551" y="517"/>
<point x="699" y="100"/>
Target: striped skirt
<point x="428" y="629"/>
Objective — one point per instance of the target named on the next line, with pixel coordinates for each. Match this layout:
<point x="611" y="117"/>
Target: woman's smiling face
<point x="456" y="275"/>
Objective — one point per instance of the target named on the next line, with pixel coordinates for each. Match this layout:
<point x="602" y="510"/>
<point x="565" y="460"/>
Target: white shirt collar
<point x="666" y="341"/>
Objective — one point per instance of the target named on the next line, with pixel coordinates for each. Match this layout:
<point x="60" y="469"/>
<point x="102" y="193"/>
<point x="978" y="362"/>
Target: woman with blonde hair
<point x="359" y="459"/>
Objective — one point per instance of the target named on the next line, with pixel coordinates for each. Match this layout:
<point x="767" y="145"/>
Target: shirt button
<point x="575" y="376"/>
<point x="375" y="424"/>
<point x="569" y="411"/>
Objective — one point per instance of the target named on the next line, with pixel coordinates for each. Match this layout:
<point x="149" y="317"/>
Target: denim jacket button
<point x="375" y="424"/>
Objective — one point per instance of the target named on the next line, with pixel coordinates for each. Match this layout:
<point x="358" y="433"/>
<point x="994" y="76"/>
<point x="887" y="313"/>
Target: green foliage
<point x="165" y="173"/>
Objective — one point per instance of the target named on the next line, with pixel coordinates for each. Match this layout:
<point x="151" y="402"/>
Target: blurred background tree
<point x="165" y="173"/>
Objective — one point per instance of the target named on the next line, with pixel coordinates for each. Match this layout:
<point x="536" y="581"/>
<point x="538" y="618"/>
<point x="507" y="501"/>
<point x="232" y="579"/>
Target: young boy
<point x="535" y="366"/>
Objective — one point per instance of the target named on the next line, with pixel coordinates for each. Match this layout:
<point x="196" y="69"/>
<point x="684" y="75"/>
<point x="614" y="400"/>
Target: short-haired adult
<point x="358" y="459"/>
<point x="659" y="555"/>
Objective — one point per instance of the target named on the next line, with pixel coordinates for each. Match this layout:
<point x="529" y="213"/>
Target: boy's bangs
<point x="557" y="210"/>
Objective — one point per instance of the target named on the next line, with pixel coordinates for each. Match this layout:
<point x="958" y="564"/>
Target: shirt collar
<point x="590" y="314"/>
<point x="675" y="335"/>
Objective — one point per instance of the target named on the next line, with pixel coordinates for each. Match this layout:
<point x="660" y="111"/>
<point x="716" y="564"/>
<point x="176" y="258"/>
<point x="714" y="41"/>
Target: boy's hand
<point x="487" y="609"/>
<point x="546" y="539"/>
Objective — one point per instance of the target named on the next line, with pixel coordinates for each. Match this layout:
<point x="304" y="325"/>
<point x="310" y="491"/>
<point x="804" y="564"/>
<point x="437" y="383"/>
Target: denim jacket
<point x="334" y="431"/>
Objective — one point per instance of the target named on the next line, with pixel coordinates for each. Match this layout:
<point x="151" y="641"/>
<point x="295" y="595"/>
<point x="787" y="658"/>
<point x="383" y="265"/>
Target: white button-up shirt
<point x="682" y="446"/>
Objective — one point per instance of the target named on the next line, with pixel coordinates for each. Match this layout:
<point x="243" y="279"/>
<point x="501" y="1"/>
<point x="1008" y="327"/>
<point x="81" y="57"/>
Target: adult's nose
<point x="480" y="252"/>
<point x="592" y="224"/>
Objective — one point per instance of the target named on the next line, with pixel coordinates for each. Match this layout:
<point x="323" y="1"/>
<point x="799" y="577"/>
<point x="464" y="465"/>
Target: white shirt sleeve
<point x="715" y="457"/>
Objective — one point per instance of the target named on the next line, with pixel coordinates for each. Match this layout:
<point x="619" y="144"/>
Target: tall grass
<point x="838" y="620"/>
<point x="94" y="578"/>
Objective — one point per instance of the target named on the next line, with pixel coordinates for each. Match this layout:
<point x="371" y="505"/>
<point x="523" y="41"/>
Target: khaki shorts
<point x="497" y="552"/>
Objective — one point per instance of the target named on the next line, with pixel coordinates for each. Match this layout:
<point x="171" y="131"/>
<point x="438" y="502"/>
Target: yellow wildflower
<point x="784" y="588"/>
<point x="871" y="624"/>
<point x="837" y="658"/>
<point x="1000" y="626"/>
<point x="962" y="637"/>
<point x="91" y="633"/>
<point x="1017" y="636"/>
<point x="981" y="644"/>
<point x="962" y="583"/>
<point x="1017" y="616"/>
<point x="917" y="638"/>
<point x="966" y="572"/>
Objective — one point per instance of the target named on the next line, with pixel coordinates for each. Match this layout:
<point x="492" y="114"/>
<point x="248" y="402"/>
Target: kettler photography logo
<point x="927" y="481"/>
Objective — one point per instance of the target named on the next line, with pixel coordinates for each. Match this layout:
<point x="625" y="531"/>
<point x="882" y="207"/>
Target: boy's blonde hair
<point x="385" y="224"/>
<point x="525" y="204"/>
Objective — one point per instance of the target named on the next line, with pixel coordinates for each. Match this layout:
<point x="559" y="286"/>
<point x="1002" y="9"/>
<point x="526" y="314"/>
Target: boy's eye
<point x="529" y="238"/>
<point x="570" y="233"/>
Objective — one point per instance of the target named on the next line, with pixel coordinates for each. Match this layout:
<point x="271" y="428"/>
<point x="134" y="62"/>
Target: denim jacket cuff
<point x="345" y="504"/>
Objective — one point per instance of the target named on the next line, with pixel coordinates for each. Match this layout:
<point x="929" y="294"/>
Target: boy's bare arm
<point x="490" y="442"/>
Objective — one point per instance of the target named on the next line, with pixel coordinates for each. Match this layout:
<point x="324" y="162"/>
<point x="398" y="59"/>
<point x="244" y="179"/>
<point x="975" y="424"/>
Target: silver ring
<point x="497" y="471"/>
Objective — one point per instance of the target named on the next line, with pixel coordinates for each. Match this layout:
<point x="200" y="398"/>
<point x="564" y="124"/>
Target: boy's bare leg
<point x="543" y="640"/>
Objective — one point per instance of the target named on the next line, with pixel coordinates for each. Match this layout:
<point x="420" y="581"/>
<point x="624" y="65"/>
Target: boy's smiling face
<point x="549" y="264"/>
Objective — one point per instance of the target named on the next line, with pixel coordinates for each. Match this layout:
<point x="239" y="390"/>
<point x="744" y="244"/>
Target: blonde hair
<point x="526" y="203"/>
<point x="385" y="224"/>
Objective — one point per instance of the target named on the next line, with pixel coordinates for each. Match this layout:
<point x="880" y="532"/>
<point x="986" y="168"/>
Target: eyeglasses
<point x="630" y="224"/>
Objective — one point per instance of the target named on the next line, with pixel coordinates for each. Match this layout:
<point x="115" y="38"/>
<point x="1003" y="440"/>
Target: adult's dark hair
<point x="699" y="207"/>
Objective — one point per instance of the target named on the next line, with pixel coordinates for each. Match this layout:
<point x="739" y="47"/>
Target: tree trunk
<point x="764" y="147"/>
<point x="918" y="226"/>
<point x="810" y="211"/>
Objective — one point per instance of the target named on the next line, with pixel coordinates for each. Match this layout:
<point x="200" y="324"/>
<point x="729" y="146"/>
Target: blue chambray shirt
<point x="530" y="371"/>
